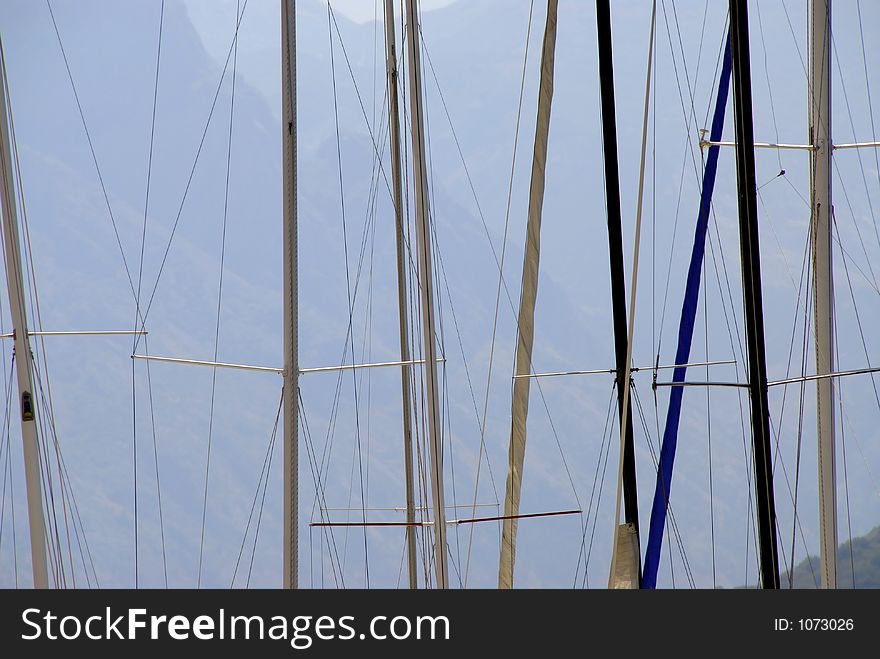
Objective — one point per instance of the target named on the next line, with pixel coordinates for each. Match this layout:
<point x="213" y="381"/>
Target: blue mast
<point x="685" y="336"/>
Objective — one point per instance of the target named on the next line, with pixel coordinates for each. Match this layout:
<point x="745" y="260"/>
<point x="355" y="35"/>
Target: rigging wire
<point x="796" y="43"/>
<point x="55" y="547"/>
<point x="156" y="464"/>
<point x="367" y="352"/>
<point x="330" y="20"/>
<point x="111" y="215"/>
<point x="91" y="149"/>
<point x="679" y="540"/>
<point x="438" y="257"/>
<point x="64" y="474"/>
<point x="864" y="347"/>
<point x="192" y="172"/>
<point x="484" y="413"/>
<point x="858" y="151"/>
<point x="332" y="15"/>
<point x="320" y="497"/>
<point x="799" y="290"/>
<point x="499" y="265"/>
<point x="484" y="421"/>
<point x="873" y="280"/>
<point x="367" y="339"/>
<point x="502" y="283"/>
<point x="422" y="450"/>
<point x="769" y="86"/>
<point x="137" y="308"/>
<point x="606" y="435"/>
<point x="688" y="145"/>
<point x="729" y="315"/>
<point x="712" y="239"/>
<point x="335" y="406"/>
<point x="34" y="299"/>
<point x="7" y="468"/>
<point x="262" y="504"/>
<point x="342" y="43"/>
<point x="53" y="536"/>
<point x="219" y="293"/>
<point x="735" y="339"/>
<point x="846" y="491"/>
<point x="709" y="433"/>
<point x="414" y="310"/>
<point x="843" y="447"/>
<point x="869" y="96"/>
<point x="804" y="350"/>
<point x="691" y="90"/>
<point x="440" y="336"/>
<point x="370" y="219"/>
<point x="7" y="442"/>
<point x="18" y="198"/>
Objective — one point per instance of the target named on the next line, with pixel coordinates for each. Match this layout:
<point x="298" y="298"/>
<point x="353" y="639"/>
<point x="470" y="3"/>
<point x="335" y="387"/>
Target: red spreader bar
<point x="370" y="524"/>
<point x="525" y="516"/>
<point x="452" y="521"/>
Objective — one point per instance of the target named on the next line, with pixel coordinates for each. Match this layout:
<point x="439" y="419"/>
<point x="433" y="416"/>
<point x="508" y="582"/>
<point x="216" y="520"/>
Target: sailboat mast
<point x="823" y="280"/>
<point x="394" y="133"/>
<point x="618" y="283"/>
<point x="291" y="302"/>
<point x="752" y="298"/>
<point x="426" y="288"/>
<point x="24" y="358"/>
<point x="519" y="408"/>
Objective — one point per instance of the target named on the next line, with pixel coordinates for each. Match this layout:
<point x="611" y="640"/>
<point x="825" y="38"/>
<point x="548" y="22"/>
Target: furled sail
<point x="528" y="297"/>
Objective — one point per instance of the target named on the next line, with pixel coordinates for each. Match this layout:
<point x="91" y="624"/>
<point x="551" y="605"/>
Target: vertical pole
<point x="519" y="404"/>
<point x="23" y="357"/>
<point x="405" y="370"/>
<point x="663" y="485"/>
<point x="823" y="280"/>
<point x="618" y="282"/>
<point x="426" y="287"/>
<point x="291" y="336"/>
<point x="752" y="299"/>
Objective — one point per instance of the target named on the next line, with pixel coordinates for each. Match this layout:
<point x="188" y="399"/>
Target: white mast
<point x="625" y="565"/>
<point x="394" y="132"/>
<point x="426" y="289"/>
<point x="823" y="280"/>
<point x="291" y="337"/>
<point x="24" y="358"/>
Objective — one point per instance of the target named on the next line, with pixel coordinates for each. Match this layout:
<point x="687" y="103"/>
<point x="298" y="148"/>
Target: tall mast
<point x="752" y="299"/>
<point x="394" y="133"/>
<point x="630" y="529"/>
<point x="823" y="280"/>
<point x="688" y="317"/>
<point x="23" y="357"/>
<point x="426" y="288"/>
<point x="291" y="303"/>
<point x="528" y="297"/>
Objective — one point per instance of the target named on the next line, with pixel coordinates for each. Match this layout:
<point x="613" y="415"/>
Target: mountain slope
<point x="861" y="559"/>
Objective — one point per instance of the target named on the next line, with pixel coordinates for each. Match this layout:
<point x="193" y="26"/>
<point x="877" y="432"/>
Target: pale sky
<point x="364" y="10"/>
<point x="212" y="20"/>
<point x="477" y="62"/>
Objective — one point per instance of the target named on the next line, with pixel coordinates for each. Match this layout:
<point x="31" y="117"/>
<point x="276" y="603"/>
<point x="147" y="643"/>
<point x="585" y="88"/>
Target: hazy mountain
<point x="859" y="558"/>
<point x="473" y="66"/>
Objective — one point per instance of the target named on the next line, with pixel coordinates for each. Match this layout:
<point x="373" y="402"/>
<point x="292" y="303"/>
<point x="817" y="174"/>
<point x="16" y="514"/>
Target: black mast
<point x="751" y="275"/>
<point x="615" y="252"/>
